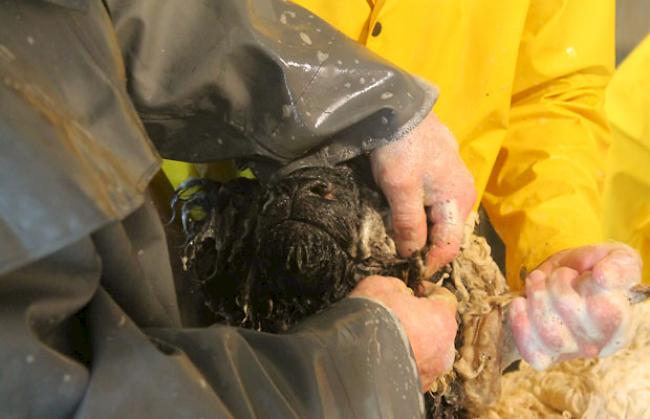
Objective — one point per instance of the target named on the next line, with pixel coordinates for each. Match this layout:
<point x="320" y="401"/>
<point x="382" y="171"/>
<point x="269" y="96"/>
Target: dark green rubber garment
<point x="94" y="323"/>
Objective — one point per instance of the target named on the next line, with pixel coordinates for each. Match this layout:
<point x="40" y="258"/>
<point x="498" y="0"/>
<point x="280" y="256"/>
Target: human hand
<point x="429" y="322"/>
<point x="576" y="304"/>
<point x="424" y="169"/>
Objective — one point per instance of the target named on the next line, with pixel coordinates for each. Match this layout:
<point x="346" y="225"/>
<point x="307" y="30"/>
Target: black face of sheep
<point x="266" y="257"/>
<point x="307" y="228"/>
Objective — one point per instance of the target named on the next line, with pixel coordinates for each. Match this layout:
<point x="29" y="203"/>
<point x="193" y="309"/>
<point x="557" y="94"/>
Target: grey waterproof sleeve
<point x="244" y="78"/>
<point x="90" y="320"/>
<point x="71" y="345"/>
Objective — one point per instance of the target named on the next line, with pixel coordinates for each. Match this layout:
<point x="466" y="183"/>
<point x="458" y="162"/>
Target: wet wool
<point x="266" y="256"/>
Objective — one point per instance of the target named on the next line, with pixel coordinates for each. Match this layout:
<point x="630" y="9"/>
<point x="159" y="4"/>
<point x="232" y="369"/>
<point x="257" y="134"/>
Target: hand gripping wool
<point x="614" y="387"/>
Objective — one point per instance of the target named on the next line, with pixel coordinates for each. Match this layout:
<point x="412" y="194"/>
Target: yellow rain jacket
<point x="522" y="88"/>
<point x="627" y="188"/>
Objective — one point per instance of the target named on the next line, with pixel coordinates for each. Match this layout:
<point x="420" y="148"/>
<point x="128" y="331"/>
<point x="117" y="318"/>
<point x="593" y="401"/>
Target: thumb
<point x="446" y="234"/>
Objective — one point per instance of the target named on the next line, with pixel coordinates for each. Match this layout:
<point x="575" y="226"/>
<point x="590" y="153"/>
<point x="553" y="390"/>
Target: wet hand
<point x="429" y="322"/>
<point x="423" y="176"/>
<point x="576" y="304"/>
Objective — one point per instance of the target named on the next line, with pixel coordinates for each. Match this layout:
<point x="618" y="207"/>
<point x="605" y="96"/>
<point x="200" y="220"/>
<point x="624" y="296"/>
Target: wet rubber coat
<point x="95" y="322"/>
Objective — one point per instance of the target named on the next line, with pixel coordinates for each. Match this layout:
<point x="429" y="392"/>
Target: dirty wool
<point x="613" y="387"/>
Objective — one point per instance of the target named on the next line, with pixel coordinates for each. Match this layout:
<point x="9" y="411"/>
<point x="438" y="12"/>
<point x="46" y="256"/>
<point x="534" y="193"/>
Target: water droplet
<point x="29" y="358"/>
<point x="386" y="95"/>
<point x="362" y="80"/>
<point x="356" y="61"/>
<point x="141" y="252"/>
<point x="305" y="38"/>
<point x="384" y="120"/>
<point x="571" y="51"/>
<point x="322" y="56"/>
<point x="67" y="378"/>
<point x="347" y="85"/>
<point x="30" y="40"/>
<point x="6" y="54"/>
<point x="219" y="141"/>
<point x="339" y="62"/>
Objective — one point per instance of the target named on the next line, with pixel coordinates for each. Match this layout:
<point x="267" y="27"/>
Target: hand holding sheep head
<point x="424" y="178"/>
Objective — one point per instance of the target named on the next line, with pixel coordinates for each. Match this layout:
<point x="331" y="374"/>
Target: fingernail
<point x="536" y="276"/>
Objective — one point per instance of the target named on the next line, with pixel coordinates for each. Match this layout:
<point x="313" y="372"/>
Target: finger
<point x="446" y="234"/>
<point x="608" y="311"/>
<point x="464" y="190"/>
<point x="408" y="217"/>
<point x="527" y="342"/>
<point x="621" y="336"/>
<point x="585" y="258"/>
<point x="619" y="269"/>
<point x="572" y="308"/>
<point x="607" y="308"/>
<point x="549" y="325"/>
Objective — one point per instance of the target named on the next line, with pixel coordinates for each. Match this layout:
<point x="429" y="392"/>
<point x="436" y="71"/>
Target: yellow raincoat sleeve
<point x="627" y="188"/>
<point x="544" y="191"/>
